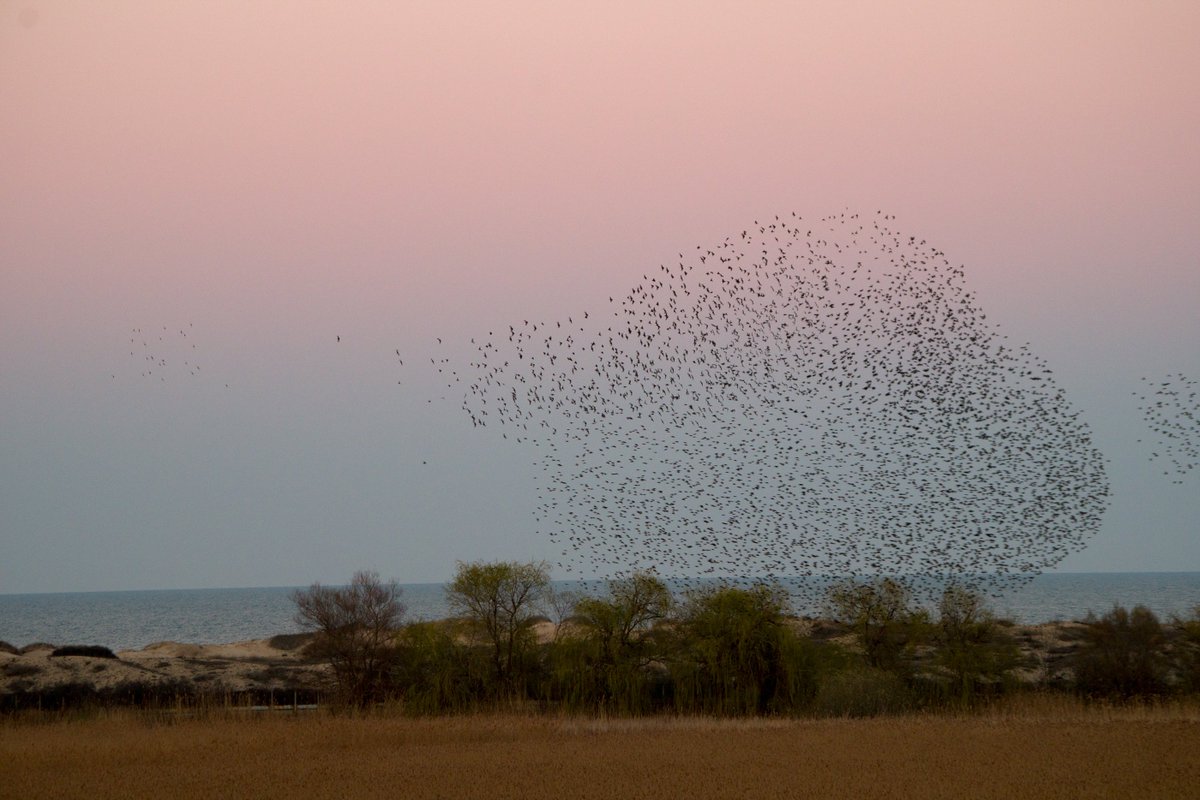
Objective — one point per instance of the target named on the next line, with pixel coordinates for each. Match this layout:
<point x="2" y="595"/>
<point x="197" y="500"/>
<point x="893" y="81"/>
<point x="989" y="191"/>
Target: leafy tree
<point x="1187" y="650"/>
<point x="881" y="614"/>
<point x="742" y="655"/>
<point x="436" y="672"/>
<point x="355" y="629"/>
<point x="972" y="646"/>
<point x="500" y="599"/>
<point x="618" y="644"/>
<point x="1122" y="655"/>
<point x="619" y="623"/>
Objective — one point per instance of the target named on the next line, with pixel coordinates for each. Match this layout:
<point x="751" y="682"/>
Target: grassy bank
<point x="1040" y="748"/>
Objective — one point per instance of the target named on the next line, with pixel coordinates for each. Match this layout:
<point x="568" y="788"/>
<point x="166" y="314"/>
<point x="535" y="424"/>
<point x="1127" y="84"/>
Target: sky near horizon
<point x="286" y="193"/>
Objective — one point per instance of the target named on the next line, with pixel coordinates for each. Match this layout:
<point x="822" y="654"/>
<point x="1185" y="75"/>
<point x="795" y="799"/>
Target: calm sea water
<point x="129" y="620"/>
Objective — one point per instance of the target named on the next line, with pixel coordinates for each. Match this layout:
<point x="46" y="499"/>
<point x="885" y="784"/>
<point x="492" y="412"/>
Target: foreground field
<point x="1055" y="751"/>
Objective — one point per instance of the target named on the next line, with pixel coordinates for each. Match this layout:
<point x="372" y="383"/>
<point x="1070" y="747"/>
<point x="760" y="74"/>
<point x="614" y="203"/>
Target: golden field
<point x="1054" y="748"/>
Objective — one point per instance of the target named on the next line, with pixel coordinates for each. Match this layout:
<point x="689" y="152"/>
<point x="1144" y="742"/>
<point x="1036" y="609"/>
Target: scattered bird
<point x="1171" y="410"/>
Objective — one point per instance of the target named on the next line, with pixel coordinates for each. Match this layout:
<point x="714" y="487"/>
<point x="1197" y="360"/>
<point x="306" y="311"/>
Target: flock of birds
<point x="159" y="353"/>
<point x="801" y="400"/>
<point x="1172" y="411"/>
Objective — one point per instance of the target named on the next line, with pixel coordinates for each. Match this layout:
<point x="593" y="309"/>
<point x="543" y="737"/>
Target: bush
<point x="12" y="650"/>
<point x="973" y="650"/>
<point x="86" y="650"/>
<point x="1122" y="655"/>
<point x="863" y="692"/>
<point x="881" y="615"/>
<point x="355" y="629"/>
<point x="1187" y="651"/>
<point x="17" y="669"/>
<point x="290" y="641"/>
<point x="739" y="656"/>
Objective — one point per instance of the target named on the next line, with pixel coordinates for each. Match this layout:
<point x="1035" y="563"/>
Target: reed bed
<point x="1035" y="747"/>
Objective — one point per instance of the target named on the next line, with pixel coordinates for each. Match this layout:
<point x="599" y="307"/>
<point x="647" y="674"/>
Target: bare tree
<point x="356" y="627"/>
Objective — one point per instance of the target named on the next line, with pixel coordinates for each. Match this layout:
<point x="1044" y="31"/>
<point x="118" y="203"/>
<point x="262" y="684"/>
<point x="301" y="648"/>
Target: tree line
<point x="637" y="648"/>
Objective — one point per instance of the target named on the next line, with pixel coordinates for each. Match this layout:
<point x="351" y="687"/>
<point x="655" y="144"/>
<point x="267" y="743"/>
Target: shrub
<point x="881" y="615"/>
<point x="1121" y="655"/>
<point x="12" y="650"/>
<point x="355" y="628"/>
<point x="972" y="648"/>
<point x="290" y="641"/>
<point x="739" y="656"/>
<point x="1187" y="651"/>
<point x="86" y="650"/>
<point x="17" y="669"/>
<point x="863" y="692"/>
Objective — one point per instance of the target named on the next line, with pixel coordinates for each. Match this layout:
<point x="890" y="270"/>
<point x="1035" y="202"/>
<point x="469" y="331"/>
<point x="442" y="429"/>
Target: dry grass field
<point x="1036" y="749"/>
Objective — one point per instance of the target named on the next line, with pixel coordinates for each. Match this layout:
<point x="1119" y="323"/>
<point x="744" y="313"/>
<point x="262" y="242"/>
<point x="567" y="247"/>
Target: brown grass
<point x="1036" y="748"/>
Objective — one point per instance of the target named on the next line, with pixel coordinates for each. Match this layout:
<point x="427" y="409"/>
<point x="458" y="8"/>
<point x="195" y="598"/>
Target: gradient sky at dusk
<point x="269" y="176"/>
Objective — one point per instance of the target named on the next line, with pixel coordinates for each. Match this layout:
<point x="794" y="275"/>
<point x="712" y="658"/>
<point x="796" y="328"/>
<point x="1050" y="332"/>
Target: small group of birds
<point x="800" y="401"/>
<point x="1172" y="412"/>
<point x="163" y="353"/>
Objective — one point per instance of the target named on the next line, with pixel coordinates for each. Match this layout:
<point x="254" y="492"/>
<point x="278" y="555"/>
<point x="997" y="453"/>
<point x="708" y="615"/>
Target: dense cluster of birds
<point x="1172" y="412"/>
<point x="798" y="401"/>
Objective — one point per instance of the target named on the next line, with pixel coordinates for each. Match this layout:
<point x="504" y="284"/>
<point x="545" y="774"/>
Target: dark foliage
<point x="1122" y="655"/>
<point x="85" y="650"/>
<point x="355" y="629"/>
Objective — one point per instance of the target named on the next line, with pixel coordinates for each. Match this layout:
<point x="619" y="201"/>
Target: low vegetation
<point x="636" y="649"/>
<point x="84" y="650"/>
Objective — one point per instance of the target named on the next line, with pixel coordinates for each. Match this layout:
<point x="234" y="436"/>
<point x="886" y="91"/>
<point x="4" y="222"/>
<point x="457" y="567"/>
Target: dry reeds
<point x="1038" y="747"/>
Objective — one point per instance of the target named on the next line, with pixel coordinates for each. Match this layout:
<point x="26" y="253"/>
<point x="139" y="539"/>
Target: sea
<point x="131" y="620"/>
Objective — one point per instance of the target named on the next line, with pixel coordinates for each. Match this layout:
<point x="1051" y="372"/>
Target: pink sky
<point x="278" y="173"/>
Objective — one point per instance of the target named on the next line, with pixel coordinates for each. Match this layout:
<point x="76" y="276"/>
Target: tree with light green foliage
<point x="972" y="648"/>
<point x="882" y="615"/>
<point x="618" y="641"/>
<point x="738" y="655"/>
<point x="501" y="600"/>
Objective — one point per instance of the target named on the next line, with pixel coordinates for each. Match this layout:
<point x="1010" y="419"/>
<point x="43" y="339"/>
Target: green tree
<point x="500" y="600"/>
<point x="618" y="624"/>
<point x="618" y="642"/>
<point x="740" y="655"/>
<point x="972" y="646"/>
<point x="881" y="614"/>
<point x="1122" y="655"/>
<point x="355" y="630"/>
<point x="1187" y="650"/>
